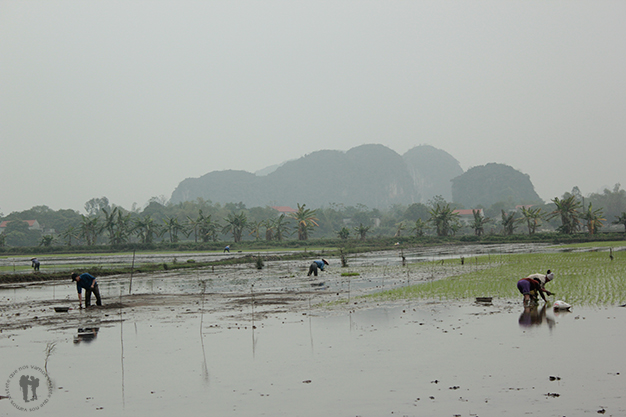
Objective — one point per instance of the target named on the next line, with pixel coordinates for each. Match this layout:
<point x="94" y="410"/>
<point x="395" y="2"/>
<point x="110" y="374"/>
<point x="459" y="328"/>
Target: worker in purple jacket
<point x="88" y="282"/>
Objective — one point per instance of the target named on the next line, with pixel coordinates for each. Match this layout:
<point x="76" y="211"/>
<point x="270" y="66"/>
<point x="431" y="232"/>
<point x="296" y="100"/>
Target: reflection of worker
<point x="86" y="335"/>
<point x="88" y="282"/>
<point x="530" y="287"/>
<point x="315" y="265"/>
<point x="531" y="316"/>
<point x="35" y="263"/>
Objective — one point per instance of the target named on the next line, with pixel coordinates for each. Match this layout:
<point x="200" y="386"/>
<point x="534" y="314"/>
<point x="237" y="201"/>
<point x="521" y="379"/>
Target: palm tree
<point x="207" y="228"/>
<point x="146" y="229"/>
<point x="509" y="222"/>
<point x="46" y="240"/>
<point x="305" y="221"/>
<point x="109" y="222"/>
<point x="89" y="229"/>
<point x="479" y="222"/>
<point x="567" y="209"/>
<point x="344" y="233"/>
<point x="533" y="217"/>
<point x="442" y="217"/>
<point x="191" y="226"/>
<point x="255" y="229"/>
<point x="173" y="226"/>
<point x="362" y="231"/>
<point x="117" y="225"/>
<point x="69" y="234"/>
<point x="594" y="219"/>
<point x="621" y="220"/>
<point x="269" y="225"/>
<point x="235" y="224"/>
<point x="281" y="228"/>
<point x="419" y="227"/>
<point x="399" y="229"/>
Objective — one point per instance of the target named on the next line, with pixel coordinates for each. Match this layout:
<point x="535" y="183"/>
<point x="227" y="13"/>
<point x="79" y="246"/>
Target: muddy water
<point x="417" y="359"/>
<point x="243" y="342"/>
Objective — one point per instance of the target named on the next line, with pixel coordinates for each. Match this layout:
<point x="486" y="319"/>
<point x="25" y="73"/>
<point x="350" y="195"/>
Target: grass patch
<point x="350" y="274"/>
<point x="585" y="278"/>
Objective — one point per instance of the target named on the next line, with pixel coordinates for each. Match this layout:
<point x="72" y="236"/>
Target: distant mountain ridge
<point x="372" y="174"/>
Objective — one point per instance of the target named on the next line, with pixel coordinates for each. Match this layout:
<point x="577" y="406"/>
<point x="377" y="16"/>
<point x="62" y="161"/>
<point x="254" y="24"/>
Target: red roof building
<point x="284" y="209"/>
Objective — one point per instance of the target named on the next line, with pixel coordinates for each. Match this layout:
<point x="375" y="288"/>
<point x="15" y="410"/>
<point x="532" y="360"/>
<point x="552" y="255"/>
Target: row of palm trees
<point x="445" y="221"/>
<point x="120" y="227"/>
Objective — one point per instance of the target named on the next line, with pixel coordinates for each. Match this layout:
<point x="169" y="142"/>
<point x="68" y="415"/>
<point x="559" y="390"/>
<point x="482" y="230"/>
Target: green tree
<point x="118" y="225"/>
<point x="509" y="222"/>
<point x="90" y="229"/>
<point x="147" y="229"/>
<point x="207" y="228"/>
<point x="344" y="233"/>
<point x="305" y="221"/>
<point x="418" y="227"/>
<point x="567" y="210"/>
<point x="442" y="217"/>
<point x="362" y="231"/>
<point x="173" y="227"/>
<point x="533" y="217"/>
<point x="400" y="227"/>
<point x="269" y="225"/>
<point x="593" y="219"/>
<point x="94" y="206"/>
<point x="46" y="240"/>
<point x="235" y="224"/>
<point x="191" y="227"/>
<point x="17" y="233"/>
<point x="621" y="219"/>
<point x="255" y="229"/>
<point x="479" y="222"/>
<point x="281" y="228"/>
<point x="69" y="234"/>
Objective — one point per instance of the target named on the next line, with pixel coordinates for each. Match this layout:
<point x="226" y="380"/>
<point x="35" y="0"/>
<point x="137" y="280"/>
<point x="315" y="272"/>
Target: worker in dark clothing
<point x="88" y="282"/>
<point x="315" y="265"/>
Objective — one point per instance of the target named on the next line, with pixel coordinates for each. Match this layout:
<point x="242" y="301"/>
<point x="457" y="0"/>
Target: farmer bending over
<point x="315" y="265"/>
<point x="529" y="287"/>
<point x="543" y="279"/>
<point x="88" y="282"/>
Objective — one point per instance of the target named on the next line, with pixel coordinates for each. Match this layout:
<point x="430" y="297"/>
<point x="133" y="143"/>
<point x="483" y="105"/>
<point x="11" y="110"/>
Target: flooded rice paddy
<point x="236" y="341"/>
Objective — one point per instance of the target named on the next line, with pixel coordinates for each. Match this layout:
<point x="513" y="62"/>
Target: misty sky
<point x="125" y="99"/>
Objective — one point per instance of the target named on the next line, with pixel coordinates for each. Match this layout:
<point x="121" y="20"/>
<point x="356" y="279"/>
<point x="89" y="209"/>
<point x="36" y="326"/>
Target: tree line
<point x="203" y="221"/>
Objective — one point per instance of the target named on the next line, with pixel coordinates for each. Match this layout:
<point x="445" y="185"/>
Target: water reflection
<point x="535" y="316"/>
<point x="86" y="334"/>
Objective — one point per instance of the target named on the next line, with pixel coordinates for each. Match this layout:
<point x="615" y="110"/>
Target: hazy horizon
<point x="125" y="99"/>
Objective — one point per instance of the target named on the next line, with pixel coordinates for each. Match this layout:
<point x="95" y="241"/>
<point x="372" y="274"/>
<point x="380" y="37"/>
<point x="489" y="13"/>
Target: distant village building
<point x="32" y="225"/>
<point x="284" y="210"/>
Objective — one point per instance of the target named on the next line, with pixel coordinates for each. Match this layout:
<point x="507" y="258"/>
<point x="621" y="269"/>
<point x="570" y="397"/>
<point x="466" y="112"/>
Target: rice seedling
<point x="583" y="278"/>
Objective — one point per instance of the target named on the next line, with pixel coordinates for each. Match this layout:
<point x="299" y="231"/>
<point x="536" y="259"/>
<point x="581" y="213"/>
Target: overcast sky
<point x="125" y="99"/>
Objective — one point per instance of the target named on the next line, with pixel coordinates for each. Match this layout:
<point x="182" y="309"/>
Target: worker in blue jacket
<point x="315" y="265"/>
<point x="88" y="282"/>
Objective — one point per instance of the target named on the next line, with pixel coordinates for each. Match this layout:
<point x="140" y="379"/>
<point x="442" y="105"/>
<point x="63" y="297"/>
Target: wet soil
<point x="240" y="341"/>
